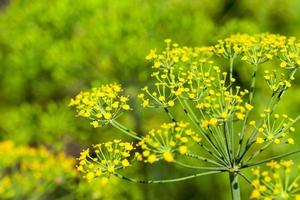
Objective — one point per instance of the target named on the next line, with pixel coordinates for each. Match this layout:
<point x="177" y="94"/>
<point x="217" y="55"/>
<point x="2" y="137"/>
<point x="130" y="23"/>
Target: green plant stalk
<point x="269" y="159"/>
<point x="166" y="180"/>
<point x="191" y="115"/>
<point x="233" y="176"/>
<point x="231" y="150"/>
<point x="201" y="168"/>
<point x="234" y="186"/>
<point x="252" y="90"/>
<point x="125" y="130"/>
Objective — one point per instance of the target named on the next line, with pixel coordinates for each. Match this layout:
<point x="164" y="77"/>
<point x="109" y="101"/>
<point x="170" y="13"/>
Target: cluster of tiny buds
<point x="105" y="159"/>
<point x="276" y="181"/>
<point x="101" y="105"/>
<point x="165" y="142"/>
<point x="259" y="48"/>
<point x="275" y="128"/>
<point x="277" y="81"/>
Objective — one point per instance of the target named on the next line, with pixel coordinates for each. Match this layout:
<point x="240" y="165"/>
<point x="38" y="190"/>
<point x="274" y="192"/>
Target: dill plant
<point x="215" y="127"/>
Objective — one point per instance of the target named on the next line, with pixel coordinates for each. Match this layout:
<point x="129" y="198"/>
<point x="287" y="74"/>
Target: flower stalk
<point x="234" y="186"/>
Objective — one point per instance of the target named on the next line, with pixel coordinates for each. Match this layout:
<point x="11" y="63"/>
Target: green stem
<point x="231" y="66"/>
<point x="253" y="81"/>
<point x="260" y="150"/>
<point x="221" y="159"/>
<point x="204" y="159"/>
<point x="269" y="159"/>
<point x="245" y="177"/>
<point x="188" y="111"/>
<point x="166" y="180"/>
<point x="292" y="73"/>
<point x="227" y="142"/>
<point x="170" y="114"/>
<point x="201" y="168"/>
<point x="234" y="185"/>
<point x="124" y="129"/>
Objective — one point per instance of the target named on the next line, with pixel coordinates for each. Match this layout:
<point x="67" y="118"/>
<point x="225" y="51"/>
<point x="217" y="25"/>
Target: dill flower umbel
<point x="254" y="49"/>
<point x="290" y="57"/>
<point x="274" y="128"/>
<point x="194" y="77"/>
<point x="277" y="80"/>
<point x="276" y="182"/>
<point x="105" y="159"/>
<point x="166" y="142"/>
<point x="101" y="105"/>
<point x="177" y="71"/>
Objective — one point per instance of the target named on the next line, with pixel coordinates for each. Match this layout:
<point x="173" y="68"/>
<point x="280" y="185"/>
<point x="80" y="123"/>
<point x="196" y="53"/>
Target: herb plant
<point x="220" y="126"/>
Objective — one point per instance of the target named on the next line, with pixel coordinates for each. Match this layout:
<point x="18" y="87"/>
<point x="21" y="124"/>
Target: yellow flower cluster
<point x="234" y="44"/>
<point x="101" y="104"/>
<point x="178" y="72"/>
<point x="276" y="182"/>
<point x="289" y="54"/>
<point x="219" y="101"/>
<point x="166" y="142"/>
<point x="277" y="81"/>
<point x="194" y="77"/>
<point x="105" y="159"/>
<point x="254" y="49"/>
<point x="174" y="54"/>
<point x="275" y="128"/>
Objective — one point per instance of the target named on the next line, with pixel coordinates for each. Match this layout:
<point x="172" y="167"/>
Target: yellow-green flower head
<point x="289" y="54"/>
<point x="175" y="54"/>
<point x="102" y="104"/>
<point x="235" y="44"/>
<point x="277" y="81"/>
<point x="177" y="71"/>
<point x="276" y="181"/>
<point x="105" y="159"/>
<point x="220" y="100"/>
<point x="166" y="142"/>
<point x="275" y="128"/>
<point x="197" y="80"/>
<point x="254" y="49"/>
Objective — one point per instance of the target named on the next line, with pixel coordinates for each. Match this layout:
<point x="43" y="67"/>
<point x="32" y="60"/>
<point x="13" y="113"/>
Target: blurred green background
<point x="51" y="50"/>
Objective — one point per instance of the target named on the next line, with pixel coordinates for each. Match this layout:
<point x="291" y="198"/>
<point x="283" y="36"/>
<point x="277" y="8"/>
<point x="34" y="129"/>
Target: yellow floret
<point x="168" y="156"/>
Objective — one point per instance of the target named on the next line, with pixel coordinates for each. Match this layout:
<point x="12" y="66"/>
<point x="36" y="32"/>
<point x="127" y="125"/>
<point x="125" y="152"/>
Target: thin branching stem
<point x="170" y="114"/>
<point x="188" y="111"/>
<point x="201" y="167"/>
<point x="124" y="129"/>
<point x="204" y="159"/>
<point x="253" y="83"/>
<point x="245" y="177"/>
<point x="222" y="159"/>
<point x="226" y="141"/>
<point x="243" y="132"/>
<point x="269" y="159"/>
<point x="165" y="180"/>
